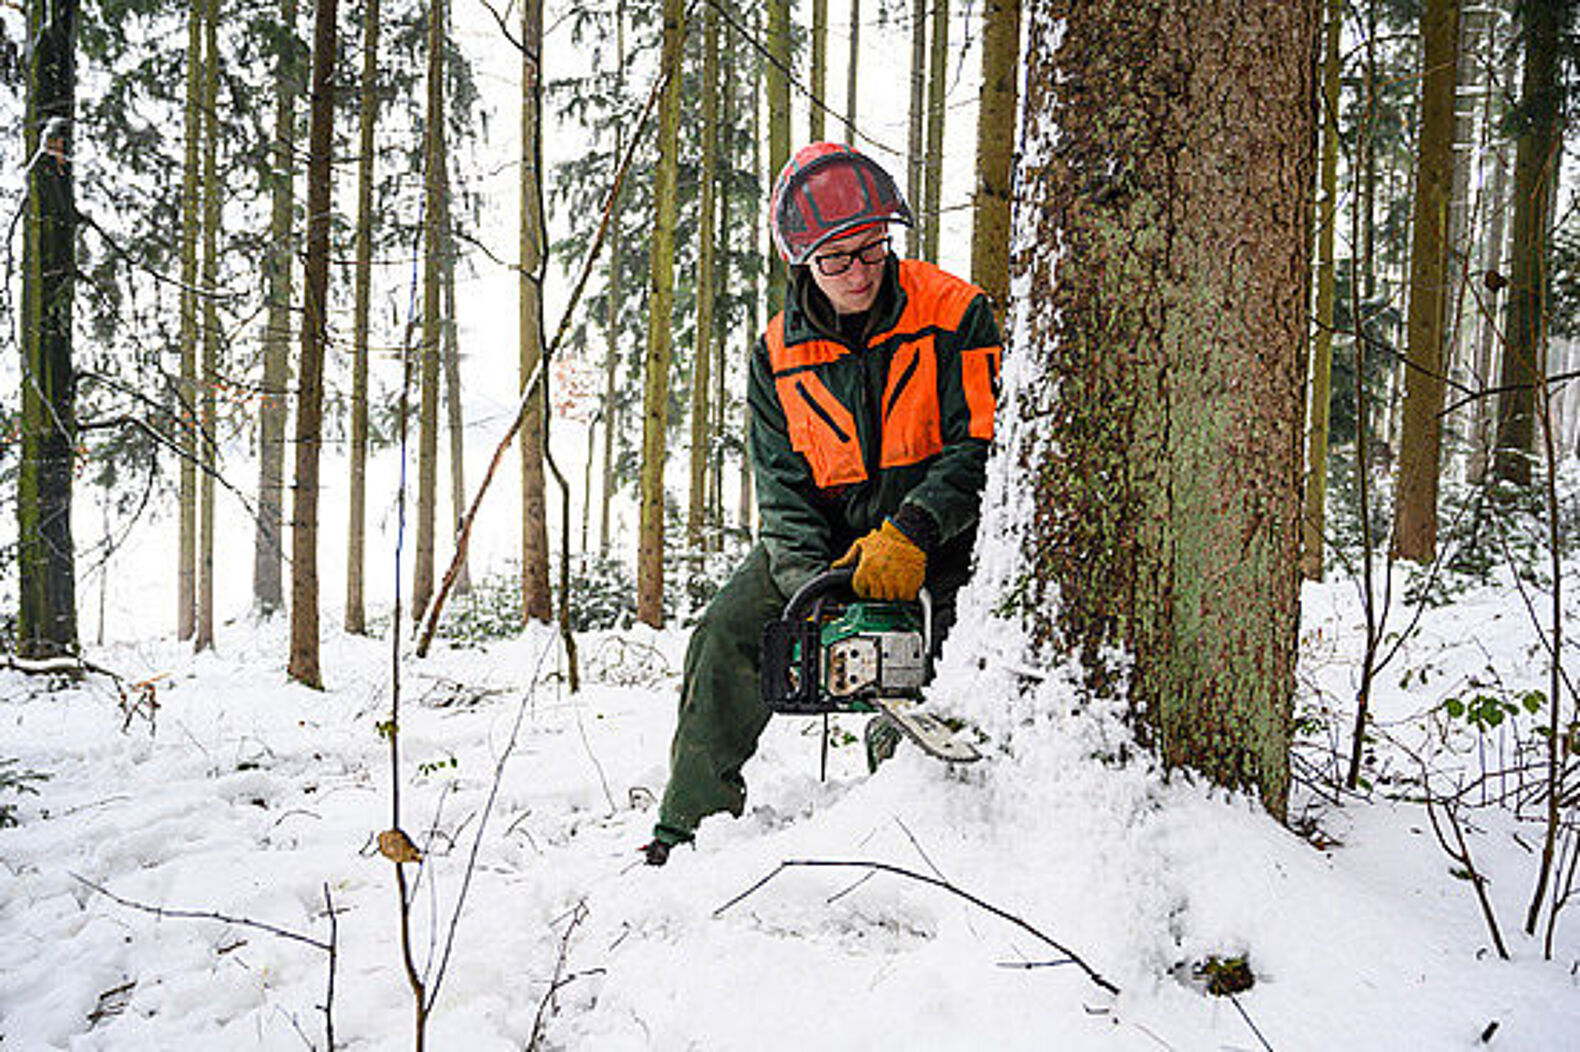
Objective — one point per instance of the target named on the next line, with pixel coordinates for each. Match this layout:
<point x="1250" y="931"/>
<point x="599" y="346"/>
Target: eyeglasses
<point x="830" y="264"/>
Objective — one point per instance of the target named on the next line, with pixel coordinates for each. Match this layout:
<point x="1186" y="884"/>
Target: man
<point x="872" y="398"/>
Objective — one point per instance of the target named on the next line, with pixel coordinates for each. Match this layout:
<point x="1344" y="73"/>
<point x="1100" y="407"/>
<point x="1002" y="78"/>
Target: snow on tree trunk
<point x="1162" y="276"/>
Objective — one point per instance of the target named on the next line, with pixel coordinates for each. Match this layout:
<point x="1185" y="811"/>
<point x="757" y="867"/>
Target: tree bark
<point x="1169" y="177"/>
<point x="702" y="362"/>
<point x="536" y="601"/>
<point x="815" y="119"/>
<point x="432" y="247"/>
<point x="937" y="81"/>
<point x="268" y="584"/>
<point x="778" y="122"/>
<point x="1314" y="516"/>
<point x="1536" y="157"/>
<point x="450" y="359"/>
<point x="203" y="635"/>
<point x="611" y="363"/>
<point x="990" y="211"/>
<point x="46" y="588"/>
<point x="186" y="388"/>
<point x="915" y="167"/>
<point x="304" y="665"/>
<point x="1421" y="439"/>
<point x="367" y="156"/>
<point x="655" y="402"/>
<point x="850" y="72"/>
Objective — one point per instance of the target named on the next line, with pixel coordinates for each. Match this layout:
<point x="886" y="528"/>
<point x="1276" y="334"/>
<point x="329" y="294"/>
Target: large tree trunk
<point x="46" y="600"/>
<point x="1536" y="158"/>
<point x="315" y="339"/>
<point x="655" y="401"/>
<point x="203" y="636"/>
<point x="356" y="525"/>
<point x="1421" y="440"/>
<point x="990" y="211"/>
<point x="432" y="246"/>
<point x="186" y="388"/>
<point x="268" y="593"/>
<point x="536" y="601"/>
<point x="1314" y="515"/>
<point x="702" y="361"/>
<point x="937" y="81"/>
<point x="1171" y="228"/>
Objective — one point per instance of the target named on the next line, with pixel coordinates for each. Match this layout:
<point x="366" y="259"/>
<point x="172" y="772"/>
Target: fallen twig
<point x="330" y="947"/>
<point x="578" y="915"/>
<point x="884" y="867"/>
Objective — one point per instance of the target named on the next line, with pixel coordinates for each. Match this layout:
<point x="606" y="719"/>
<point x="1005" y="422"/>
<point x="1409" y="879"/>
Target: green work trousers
<point x="721" y="709"/>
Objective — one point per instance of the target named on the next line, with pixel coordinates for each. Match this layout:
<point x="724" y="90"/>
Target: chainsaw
<point x="831" y="652"/>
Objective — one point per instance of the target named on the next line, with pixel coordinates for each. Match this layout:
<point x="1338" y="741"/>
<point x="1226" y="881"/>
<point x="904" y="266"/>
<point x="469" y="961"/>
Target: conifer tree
<point x="1415" y="499"/>
<point x="650" y="554"/>
<point x="304" y="664"/>
<point x="267" y="584"/>
<point x="367" y="125"/>
<point x="47" y="612"/>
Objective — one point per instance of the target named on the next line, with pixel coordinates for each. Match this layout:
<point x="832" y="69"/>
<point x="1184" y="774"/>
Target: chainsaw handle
<point x="809" y="596"/>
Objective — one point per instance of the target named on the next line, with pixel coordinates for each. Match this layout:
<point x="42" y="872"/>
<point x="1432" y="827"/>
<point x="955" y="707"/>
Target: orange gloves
<point x="888" y="564"/>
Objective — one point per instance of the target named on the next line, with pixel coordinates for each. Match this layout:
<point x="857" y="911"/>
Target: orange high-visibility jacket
<point x="894" y="423"/>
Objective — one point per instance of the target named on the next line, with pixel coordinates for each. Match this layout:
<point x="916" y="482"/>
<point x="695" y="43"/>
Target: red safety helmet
<point x="828" y="190"/>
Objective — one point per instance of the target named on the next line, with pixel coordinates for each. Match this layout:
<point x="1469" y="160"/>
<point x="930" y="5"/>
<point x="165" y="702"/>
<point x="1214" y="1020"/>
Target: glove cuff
<point x="919" y="527"/>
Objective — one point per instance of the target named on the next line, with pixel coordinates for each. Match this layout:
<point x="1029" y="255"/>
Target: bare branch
<point x="884" y="867"/>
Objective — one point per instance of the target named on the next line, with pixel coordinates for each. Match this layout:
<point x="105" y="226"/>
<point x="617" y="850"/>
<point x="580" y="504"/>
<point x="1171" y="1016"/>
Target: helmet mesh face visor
<point x="833" y="195"/>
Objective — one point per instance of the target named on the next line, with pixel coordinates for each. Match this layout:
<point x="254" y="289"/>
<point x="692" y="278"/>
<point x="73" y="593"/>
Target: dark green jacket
<point x="891" y="422"/>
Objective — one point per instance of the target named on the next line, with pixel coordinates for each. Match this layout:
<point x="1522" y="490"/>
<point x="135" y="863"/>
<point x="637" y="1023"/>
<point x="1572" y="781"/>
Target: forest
<point x="374" y="434"/>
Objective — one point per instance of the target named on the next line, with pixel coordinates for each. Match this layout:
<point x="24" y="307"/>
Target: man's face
<point x="849" y="270"/>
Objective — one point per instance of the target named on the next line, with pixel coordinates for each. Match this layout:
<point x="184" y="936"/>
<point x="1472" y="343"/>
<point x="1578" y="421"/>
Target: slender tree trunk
<point x="915" y="161"/>
<point x="815" y="121"/>
<point x="650" y="551"/>
<point x="611" y="362"/>
<point x="432" y="247"/>
<point x="356" y="526"/>
<point x="1415" y="494"/>
<point x="46" y="624"/>
<point x="746" y="503"/>
<point x="268" y="593"/>
<point x="1538" y="151"/>
<point x="450" y="355"/>
<point x="722" y="281"/>
<point x="990" y="211"/>
<point x="850" y="72"/>
<point x="937" y="82"/>
<point x="186" y="389"/>
<point x="1313" y="519"/>
<point x="536" y="602"/>
<point x="1166" y="479"/>
<point x="702" y="361"/>
<point x="203" y="637"/>
<point x="1492" y="263"/>
<point x="778" y="122"/>
<point x="315" y="339"/>
<point x="611" y="409"/>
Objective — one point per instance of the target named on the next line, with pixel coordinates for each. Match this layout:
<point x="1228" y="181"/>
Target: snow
<point x="247" y="796"/>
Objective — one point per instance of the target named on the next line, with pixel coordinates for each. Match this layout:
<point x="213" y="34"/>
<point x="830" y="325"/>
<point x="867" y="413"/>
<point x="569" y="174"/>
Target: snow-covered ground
<point x="246" y="796"/>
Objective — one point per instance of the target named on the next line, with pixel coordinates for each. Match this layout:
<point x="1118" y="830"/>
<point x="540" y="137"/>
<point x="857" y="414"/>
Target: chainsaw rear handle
<point x="808" y="599"/>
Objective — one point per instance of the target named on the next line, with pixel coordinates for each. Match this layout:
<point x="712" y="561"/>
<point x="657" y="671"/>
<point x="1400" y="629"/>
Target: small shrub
<point x="19" y="781"/>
